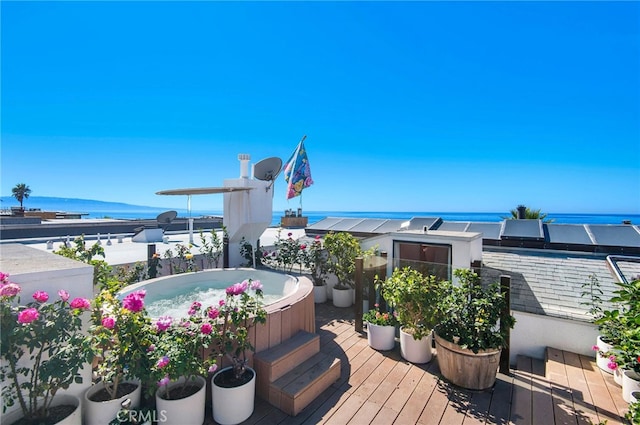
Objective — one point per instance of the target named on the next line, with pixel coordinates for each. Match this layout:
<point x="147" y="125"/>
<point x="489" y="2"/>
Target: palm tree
<point x="528" y="214"/>
<point x="21" y="192"/>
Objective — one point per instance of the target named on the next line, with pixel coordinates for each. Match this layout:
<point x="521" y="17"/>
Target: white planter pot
<point x="103" y="412"/>
<point x="185" y="411"/>
<point x="233" y="405"/>
<point x="617" y="376"/>
<point x="602" y="361"/>
<point x="74" y="418"/>
<point x="381" y="337"/>
<point x="331" y="281"/>
<point x="342" y="297"/>
<point x="415" y="351"/>
<point x="630" y="383"/>
<point x="320" y="294"/>
<point x="635" y="396"/>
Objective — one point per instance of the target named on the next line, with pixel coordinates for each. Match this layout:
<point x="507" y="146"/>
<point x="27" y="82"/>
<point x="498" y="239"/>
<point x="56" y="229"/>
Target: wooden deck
<point x="381" y="388"/>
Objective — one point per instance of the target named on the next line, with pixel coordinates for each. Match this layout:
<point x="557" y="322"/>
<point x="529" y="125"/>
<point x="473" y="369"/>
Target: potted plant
<point x="43" y="350"/>
<point x="180" y="362"/>
<point x="314" y="258"/>
<point x="414" y="297"/>
<point x="472" y="332"/>
<point x="381" y="328"/>
<point x="609" y="325"/>
<point x="120" y="339"/>
<point x="233" y="387"/>
<point x="628" y="346"/>
<point x="342" y="249"/>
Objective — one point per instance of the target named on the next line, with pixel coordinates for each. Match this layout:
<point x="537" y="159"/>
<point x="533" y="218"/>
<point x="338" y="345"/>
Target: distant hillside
<point x="47" y="203"/>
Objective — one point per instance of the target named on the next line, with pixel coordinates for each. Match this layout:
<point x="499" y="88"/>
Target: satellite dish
<point x="267" y="169"/>
<point x="165" y="219"/>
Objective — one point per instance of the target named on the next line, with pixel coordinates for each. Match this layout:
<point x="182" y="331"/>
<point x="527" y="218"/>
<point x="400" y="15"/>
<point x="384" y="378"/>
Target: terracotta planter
<point x="184" y="411"/>
<point x="232" y="405"/>
<point x="415" y="350"/>
<point x="474" y="371"/>
<point x="103" y="412"/>
<point x="381" y="337"/>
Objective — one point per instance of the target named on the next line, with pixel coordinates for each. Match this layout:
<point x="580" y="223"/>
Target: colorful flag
<point x="297" y="173"/>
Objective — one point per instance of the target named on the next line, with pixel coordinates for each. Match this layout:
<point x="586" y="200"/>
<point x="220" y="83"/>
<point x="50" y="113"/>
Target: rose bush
<point x="47" y="334"/>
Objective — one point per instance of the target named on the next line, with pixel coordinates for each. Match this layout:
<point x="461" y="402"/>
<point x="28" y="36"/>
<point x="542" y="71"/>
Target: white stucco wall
<point x="533" y="333"/>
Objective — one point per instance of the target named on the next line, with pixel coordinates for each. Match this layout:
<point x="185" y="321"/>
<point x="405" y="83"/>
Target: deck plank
<point x="604" y="404"/>
<point x="522" y="392"/>
<point x="382" y="388"/>
<point x="542" y="401"/>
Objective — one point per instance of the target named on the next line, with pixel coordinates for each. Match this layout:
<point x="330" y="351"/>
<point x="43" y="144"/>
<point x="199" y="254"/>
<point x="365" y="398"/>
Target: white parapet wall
<point x="533" y="333"/>
<point x="37" y="270"/>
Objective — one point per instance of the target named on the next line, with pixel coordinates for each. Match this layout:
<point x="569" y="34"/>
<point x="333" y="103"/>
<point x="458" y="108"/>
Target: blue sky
<point x="407" y="106"/>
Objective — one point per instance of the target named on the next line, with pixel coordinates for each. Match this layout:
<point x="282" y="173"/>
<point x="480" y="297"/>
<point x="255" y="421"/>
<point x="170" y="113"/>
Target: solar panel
<point x="488" y="230"/>
<point x="346" y="224"/>
<point x="368" y="225"/>
<point x="568" y="234"/>
<point x="324" y="224"/>
<point x="454" y="226"/>
<point x="392" y="225"/>
<point x="418" y="223"/>
<point x="615" y="234"/>
<point x="523" y="229"/>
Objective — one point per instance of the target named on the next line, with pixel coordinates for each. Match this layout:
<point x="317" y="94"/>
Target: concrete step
<point x="298" y="388"/>
<point x="275" y="362"/>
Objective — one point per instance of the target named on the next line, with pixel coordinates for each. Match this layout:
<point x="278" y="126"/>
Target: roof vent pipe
<point x="522" y="212"/>
<point x="244" y="165"/>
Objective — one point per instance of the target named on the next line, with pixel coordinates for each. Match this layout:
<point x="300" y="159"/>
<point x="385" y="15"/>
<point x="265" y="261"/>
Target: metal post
<point x="151" y="251"/>
<point x="505" y="288"/>
<point x="358" y="280"/>
<point x="225" y="251"/>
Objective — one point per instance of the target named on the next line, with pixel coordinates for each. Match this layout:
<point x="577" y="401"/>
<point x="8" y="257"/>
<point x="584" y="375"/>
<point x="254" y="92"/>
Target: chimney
<point x="244" y="165"/>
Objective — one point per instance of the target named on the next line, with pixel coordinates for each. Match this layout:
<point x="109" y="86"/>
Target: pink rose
<point x="134" y="302"/>
<point x="164" y="381"/>
<point x="237" y="288"/>
<point x="9" y="290"/>
<point x="163" y="323"/>
<point x="595" y="348"/>
<point x="256" y="285"/>
<point x="213" y="368"/>
<point x="162" y="362"/>
<point x="28" y="315"/>
<point x="4" y="277"/>
<point x="206" y="328"/>
<point x="64" y="295"/>
<point x="40" y="296"/>
<point x="80" y="304"/>
<point x="108" y="322"/>
<point x="213" y="313"/>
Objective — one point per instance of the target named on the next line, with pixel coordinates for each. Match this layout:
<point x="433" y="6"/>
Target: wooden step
<point x="298" y="388"/>
<point x="275" y="362"/>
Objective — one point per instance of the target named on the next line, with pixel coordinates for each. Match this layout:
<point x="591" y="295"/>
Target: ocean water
<point x="99" y="209"/>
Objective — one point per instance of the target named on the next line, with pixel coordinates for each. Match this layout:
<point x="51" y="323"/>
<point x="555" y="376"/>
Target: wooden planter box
<point x="294" y="221"/>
